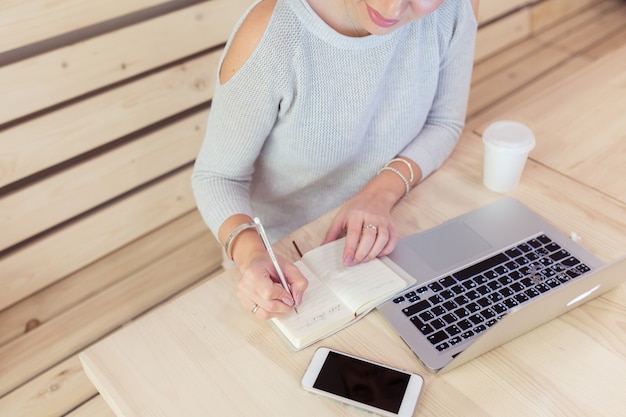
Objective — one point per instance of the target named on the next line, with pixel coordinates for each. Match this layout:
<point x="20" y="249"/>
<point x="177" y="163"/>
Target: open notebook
<point x="338" y="295"/>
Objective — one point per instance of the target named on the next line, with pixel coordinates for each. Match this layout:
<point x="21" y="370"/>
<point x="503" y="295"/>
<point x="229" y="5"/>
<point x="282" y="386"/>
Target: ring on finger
<point x="255" y="307"/>
<point x="370" y="226"/>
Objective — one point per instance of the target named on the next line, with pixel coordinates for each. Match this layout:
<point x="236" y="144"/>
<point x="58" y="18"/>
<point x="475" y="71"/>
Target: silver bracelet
<point x="404" y="161"/>
<point x="402" y="177"/>
<point x="233" y="235"/>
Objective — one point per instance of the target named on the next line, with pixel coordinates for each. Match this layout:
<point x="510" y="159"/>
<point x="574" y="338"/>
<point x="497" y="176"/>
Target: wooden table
<point x="580" y="125"/>
<point x="205" y="355"/>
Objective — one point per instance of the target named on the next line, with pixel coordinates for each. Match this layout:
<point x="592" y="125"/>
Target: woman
<point x="327" y="103"/>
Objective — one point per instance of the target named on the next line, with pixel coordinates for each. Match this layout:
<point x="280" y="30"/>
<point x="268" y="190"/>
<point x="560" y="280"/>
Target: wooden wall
<point x="505" y="22"/>
<point x="102" y="110"/>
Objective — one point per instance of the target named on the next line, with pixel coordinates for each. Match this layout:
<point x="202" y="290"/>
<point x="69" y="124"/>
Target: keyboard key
<point x="467" y="334"/>
<point x="447" y="282"/>
<point x="438" y="324"/>
<point x="449" y="318"/>
<point x="499" y="308"/>
<point x="571" y="261"/>
<point x="488" y="314"/>
<point x="455" y="340"/>
<point x="446" y="294"/>
<point x="435" y="299"/>
<point x="476" y="318"/>
<point x="510" y="302"/>
<point x="545" y="239"/>
<point x="473" y="294"/>
<point x="465" y="324"/>
<point x="416" y="308"/>
<point x="442" y="346"/>
<point x="461" y="300"/>
<point x="423" y="327"/>
<point x="472" y="307"/>
<point x="483" y="302"/>
<point x="426" y="316"/>
<point x="438" y="311"/>
<point x="513" y="253"/>
<point x="453" y="330"/>
<point x="449" y="305"/>
<point x="480" y="267"/>
<point x="457" y="289"/>
<point x="480" y="328"/>
<point x="438" y="337"/>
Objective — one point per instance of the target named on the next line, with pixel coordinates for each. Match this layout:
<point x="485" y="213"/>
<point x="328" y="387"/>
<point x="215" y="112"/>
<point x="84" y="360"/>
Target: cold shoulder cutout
<point x="247" y="38"/>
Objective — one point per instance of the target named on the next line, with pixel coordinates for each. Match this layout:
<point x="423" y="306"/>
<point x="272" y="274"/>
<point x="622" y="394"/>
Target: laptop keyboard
<point x="465" y="303"/>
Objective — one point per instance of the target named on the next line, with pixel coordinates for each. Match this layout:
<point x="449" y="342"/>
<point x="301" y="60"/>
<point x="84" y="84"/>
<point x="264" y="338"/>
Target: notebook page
<point x="319" y="312"/>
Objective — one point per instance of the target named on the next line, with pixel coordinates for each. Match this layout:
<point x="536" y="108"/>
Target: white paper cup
<point x="507" y="144"/>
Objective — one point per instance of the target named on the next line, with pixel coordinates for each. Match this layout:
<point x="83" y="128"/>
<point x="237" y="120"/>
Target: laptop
<point x="487" y="277"/>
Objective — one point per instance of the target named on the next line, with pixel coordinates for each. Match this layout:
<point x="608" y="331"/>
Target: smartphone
<point x="362" y="383"/>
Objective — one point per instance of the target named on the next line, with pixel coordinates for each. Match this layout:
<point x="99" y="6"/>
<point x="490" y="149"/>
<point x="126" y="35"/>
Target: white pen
<point x="270" y="251"/>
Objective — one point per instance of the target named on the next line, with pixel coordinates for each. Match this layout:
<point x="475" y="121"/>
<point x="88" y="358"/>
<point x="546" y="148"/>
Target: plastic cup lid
<point x="509" y="136"/>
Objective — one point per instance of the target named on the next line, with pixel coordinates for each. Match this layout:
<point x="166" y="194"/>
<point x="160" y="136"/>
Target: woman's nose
<point x="393" y="9"/>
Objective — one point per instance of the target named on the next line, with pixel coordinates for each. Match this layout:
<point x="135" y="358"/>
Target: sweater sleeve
<point x="243" y="112"/>
<point x="446" y="118"/>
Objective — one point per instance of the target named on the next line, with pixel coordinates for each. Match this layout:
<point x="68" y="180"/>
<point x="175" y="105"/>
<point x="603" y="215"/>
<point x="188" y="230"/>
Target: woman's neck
<point x="341" y="15"/>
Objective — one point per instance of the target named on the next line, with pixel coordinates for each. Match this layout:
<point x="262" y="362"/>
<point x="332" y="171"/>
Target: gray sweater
<point x="313" y="115"/>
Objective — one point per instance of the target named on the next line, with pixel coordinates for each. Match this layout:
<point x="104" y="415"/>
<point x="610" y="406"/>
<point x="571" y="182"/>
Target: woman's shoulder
<point x="247" y="38"/>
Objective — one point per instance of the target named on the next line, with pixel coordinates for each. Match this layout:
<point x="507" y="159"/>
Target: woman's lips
<point x="379" y="20"/>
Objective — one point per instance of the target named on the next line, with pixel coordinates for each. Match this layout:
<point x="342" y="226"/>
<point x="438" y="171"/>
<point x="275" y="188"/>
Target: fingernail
<point x="298" y="298"/>
<point x="348" y="260"/>
<point x="288" y="301"/>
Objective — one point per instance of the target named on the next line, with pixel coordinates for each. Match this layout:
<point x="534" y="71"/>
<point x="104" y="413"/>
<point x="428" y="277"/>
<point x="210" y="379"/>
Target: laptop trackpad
<point x="448" y="245"/>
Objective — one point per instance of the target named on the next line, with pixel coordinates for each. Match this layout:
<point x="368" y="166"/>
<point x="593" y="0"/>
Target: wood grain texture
<point x="221" y="350"/>
<point x="25" y="22"/>
<point x="61" y="74"/>
<point x="53" y="138"/>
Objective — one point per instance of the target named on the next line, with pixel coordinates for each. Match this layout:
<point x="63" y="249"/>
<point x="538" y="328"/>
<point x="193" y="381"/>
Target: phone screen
<point x="364" y="382"/>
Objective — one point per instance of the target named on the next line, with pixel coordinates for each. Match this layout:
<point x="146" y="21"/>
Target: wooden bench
<point x="102" y="111"/>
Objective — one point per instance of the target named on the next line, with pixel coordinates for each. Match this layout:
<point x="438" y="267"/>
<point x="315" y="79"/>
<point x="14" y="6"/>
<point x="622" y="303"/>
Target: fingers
<point x="366" y="241"/>
<point x="262" y="293"/>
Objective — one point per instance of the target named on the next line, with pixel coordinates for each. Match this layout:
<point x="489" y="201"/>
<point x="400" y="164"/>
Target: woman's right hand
<point x="260" y="286"/>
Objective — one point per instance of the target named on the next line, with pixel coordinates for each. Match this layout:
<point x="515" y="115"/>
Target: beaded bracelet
<point x="233" y="235"/>
<point x="402" y="177"/>
<point x="404" y="161"/>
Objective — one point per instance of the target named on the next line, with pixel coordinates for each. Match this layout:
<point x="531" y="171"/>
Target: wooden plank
<point x="53" y="393"/>
<point x="492" y="111"/>
<point x="50" y="78"/>
<point x="61" y="388"/>
<point x="25" y="22"/>
<point x="45" y="261"/>
<point x="498" y="86"/>
<point x="546" y="13"/>
<point x="575" y="22"/>
<point x="607" y="45"/>
<point x="583" y="37"/>
<point x="493" y="9"/>
<point x="53" y="300"/>
<point x="68" y="333"/>
<point x="502" y="33"/>
<point x="58" y="136"/>
<point x="96" y="407"/>
<point x="503" y="59"/>
<point x="99" y="179"/>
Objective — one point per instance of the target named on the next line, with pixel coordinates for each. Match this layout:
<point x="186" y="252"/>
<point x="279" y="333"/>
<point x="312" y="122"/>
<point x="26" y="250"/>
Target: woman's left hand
<point x="366" y="219"/>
